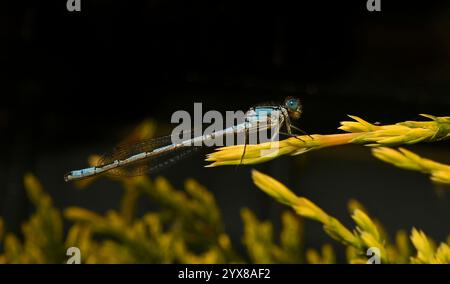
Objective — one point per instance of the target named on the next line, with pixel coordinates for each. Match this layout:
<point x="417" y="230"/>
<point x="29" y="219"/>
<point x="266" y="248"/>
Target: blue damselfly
<point x="153" y="154"/>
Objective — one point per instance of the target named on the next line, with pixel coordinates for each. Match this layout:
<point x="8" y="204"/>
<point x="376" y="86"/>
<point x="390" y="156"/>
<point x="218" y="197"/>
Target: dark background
<point x="72" y="84"/>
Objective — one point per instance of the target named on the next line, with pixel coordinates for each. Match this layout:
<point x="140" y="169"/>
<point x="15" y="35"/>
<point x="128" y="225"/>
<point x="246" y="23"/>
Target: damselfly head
<point x="294" y="107"/>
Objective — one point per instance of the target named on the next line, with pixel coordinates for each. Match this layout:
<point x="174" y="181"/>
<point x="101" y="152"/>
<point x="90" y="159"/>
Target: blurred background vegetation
<point x="75" y="84"/>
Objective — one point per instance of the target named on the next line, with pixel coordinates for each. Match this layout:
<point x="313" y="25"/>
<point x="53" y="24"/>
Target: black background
<point x="73" y="84"/>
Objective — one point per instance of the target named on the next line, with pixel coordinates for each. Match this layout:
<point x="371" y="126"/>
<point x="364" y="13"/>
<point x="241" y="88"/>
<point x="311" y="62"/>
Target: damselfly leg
<point x="301" y="131"/>
<point x="246" y="134"/>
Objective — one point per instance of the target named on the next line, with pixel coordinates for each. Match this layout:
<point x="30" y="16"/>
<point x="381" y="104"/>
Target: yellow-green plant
<point x="194" y="218"/>
<point x="260" y="243"/>
<point x="366" y="234"/>
<point x="43" y="233"/>
<point x="325" y="256"/>
<point x="360" y="132"/>
<point x="402" y="158"/>
<point x="187" y="229"/>
<point x="426" y="249"/>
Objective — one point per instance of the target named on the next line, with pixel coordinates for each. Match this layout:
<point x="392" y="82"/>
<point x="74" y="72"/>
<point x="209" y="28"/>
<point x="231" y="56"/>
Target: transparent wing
<point x="151" y="164"/>
<point x="159" y="160"/>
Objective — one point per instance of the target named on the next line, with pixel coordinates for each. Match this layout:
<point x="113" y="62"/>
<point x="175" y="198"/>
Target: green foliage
<point x="368" y="233"/>
<point x="359" y="132"/>
<point x="259" y="239"/>
<point x="187" y="228"/>
<point x="402" y="158"/>
<point x="42" y="233"/>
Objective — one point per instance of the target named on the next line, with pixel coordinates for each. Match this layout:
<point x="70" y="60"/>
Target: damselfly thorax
<point x="150" y="155"/>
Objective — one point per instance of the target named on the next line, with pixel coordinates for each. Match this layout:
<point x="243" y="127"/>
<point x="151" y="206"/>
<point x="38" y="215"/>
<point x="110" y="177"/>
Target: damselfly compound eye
<point x="294" y="107"/>
<point x="293" y="104"/>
